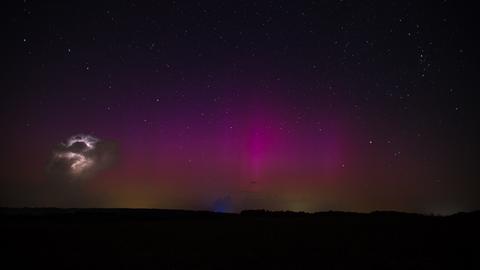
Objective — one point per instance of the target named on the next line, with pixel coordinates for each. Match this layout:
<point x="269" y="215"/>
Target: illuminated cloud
<point x="81" y="156"/>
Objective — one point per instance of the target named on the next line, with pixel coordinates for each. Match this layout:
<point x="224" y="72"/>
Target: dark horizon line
<point x="246" y="212"/>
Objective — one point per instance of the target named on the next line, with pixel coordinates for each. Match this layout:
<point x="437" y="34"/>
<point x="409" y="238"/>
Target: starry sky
<point x="231" y="105"/>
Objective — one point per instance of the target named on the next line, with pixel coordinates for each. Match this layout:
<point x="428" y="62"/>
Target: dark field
<point x="168" y="239"/>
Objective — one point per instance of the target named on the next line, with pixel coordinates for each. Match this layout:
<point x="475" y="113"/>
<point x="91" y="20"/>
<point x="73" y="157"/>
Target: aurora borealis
<point x="282" y="105"/>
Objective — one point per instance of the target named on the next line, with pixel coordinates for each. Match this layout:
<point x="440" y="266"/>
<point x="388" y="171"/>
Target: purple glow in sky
<point x="288" y="106"/>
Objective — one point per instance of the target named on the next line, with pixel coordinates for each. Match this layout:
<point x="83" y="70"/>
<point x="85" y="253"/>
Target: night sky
<point x="231" y="105"/>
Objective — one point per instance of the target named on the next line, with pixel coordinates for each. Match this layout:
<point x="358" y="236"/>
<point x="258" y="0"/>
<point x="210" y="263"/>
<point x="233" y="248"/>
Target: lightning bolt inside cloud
<point x="81" y="156"/>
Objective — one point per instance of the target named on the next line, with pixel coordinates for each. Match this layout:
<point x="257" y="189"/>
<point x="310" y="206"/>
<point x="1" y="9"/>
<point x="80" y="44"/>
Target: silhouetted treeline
<point x="253" y="239"/>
